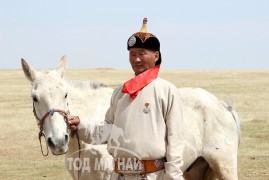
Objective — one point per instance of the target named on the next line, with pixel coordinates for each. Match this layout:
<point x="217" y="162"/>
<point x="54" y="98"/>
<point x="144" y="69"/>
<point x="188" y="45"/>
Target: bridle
<point x="42" y="134"/>
<point x="43" y="119"/>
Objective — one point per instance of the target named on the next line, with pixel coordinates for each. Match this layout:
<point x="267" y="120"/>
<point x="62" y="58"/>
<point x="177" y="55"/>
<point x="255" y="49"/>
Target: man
<point x="147" y="109"/>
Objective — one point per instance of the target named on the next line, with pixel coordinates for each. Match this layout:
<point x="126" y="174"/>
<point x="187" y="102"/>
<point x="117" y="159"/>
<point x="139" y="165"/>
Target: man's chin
<point x="139" y="70"/>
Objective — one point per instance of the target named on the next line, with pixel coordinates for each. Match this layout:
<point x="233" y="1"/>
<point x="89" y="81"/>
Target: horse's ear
<point x="62" y="65"/>
<point x="29" y="72"/>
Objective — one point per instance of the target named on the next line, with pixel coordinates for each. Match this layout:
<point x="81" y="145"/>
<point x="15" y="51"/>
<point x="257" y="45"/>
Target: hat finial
<point x="144" y="25"/>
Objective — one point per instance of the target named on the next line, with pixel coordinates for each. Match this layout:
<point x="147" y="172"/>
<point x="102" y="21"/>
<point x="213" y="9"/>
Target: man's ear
<point x="157" y="55"/>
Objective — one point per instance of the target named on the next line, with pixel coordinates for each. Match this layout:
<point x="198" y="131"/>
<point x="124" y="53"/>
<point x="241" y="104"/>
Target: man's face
<point x="142" y="59"/>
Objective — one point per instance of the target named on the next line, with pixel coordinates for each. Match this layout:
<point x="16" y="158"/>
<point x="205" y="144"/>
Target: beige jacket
<point x="148" y="127"/>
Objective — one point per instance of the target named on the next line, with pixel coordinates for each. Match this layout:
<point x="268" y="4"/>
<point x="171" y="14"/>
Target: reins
<point x="42" y="134"/>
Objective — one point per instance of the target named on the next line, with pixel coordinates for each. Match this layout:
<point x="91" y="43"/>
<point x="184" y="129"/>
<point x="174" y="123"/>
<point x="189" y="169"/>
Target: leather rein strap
<point x="41" y="133"/>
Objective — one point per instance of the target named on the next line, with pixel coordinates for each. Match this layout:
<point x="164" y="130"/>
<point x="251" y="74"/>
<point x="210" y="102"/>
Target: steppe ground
<point x="19" y="147"/>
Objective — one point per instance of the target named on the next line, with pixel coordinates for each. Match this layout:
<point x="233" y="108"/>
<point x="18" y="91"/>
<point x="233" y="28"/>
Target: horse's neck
<point x="88" y="103"/>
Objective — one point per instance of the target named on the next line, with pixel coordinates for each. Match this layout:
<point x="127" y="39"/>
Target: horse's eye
<point x="35" y="99"/>
<point x="65" y="95"/>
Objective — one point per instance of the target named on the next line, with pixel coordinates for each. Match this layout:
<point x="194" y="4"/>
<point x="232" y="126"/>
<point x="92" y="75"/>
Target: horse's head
<point x="49" y="94"/>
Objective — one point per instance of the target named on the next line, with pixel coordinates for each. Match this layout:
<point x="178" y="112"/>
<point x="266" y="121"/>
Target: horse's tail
<point x="229" y="105"/>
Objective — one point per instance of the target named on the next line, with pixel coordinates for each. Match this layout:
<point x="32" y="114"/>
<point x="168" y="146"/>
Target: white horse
<point x="211" y="126"/>
<point x="50" y="91"/>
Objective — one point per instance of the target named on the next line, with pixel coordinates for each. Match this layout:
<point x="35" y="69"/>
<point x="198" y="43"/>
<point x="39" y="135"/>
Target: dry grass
<point x="19" y="147"/>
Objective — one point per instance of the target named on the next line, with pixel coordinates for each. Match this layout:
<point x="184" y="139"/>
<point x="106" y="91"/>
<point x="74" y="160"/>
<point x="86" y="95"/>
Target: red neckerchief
<point x="134" y="85"/>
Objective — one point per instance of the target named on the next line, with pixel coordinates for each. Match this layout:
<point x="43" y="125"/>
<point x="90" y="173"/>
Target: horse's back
<point x="204" y="112"/>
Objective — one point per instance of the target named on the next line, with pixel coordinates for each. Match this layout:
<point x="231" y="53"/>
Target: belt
<point x="133" y="166"/>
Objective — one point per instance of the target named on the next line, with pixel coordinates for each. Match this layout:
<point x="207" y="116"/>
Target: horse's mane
<point x="85" y="84"/>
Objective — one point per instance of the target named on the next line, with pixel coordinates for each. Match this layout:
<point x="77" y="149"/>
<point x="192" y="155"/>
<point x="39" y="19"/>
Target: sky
<point x="194" y="34"/>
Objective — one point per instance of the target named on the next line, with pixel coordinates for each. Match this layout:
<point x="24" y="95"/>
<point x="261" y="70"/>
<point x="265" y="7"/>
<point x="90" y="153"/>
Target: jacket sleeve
<point x="175" y="140"/>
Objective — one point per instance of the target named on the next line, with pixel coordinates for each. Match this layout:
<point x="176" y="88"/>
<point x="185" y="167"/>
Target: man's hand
<point x="73" y="121"/>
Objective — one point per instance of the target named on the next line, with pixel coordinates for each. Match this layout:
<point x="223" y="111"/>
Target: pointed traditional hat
<point x="143" y="39"/>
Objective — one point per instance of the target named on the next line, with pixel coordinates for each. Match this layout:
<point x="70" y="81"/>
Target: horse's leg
<point x="223" y="163"/>
<point x="220" y="143"/>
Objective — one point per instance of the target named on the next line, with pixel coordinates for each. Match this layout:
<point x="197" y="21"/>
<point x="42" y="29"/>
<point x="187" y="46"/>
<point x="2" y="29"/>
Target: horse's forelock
<point x="47" y="75"/>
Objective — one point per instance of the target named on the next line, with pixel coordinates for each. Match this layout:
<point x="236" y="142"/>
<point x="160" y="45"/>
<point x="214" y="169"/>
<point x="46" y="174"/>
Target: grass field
<point x="19" y="146"/>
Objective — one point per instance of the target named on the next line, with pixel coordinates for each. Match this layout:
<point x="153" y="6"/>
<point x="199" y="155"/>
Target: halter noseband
<point x="51" y="112"/>
<point x="42" y="120"/>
